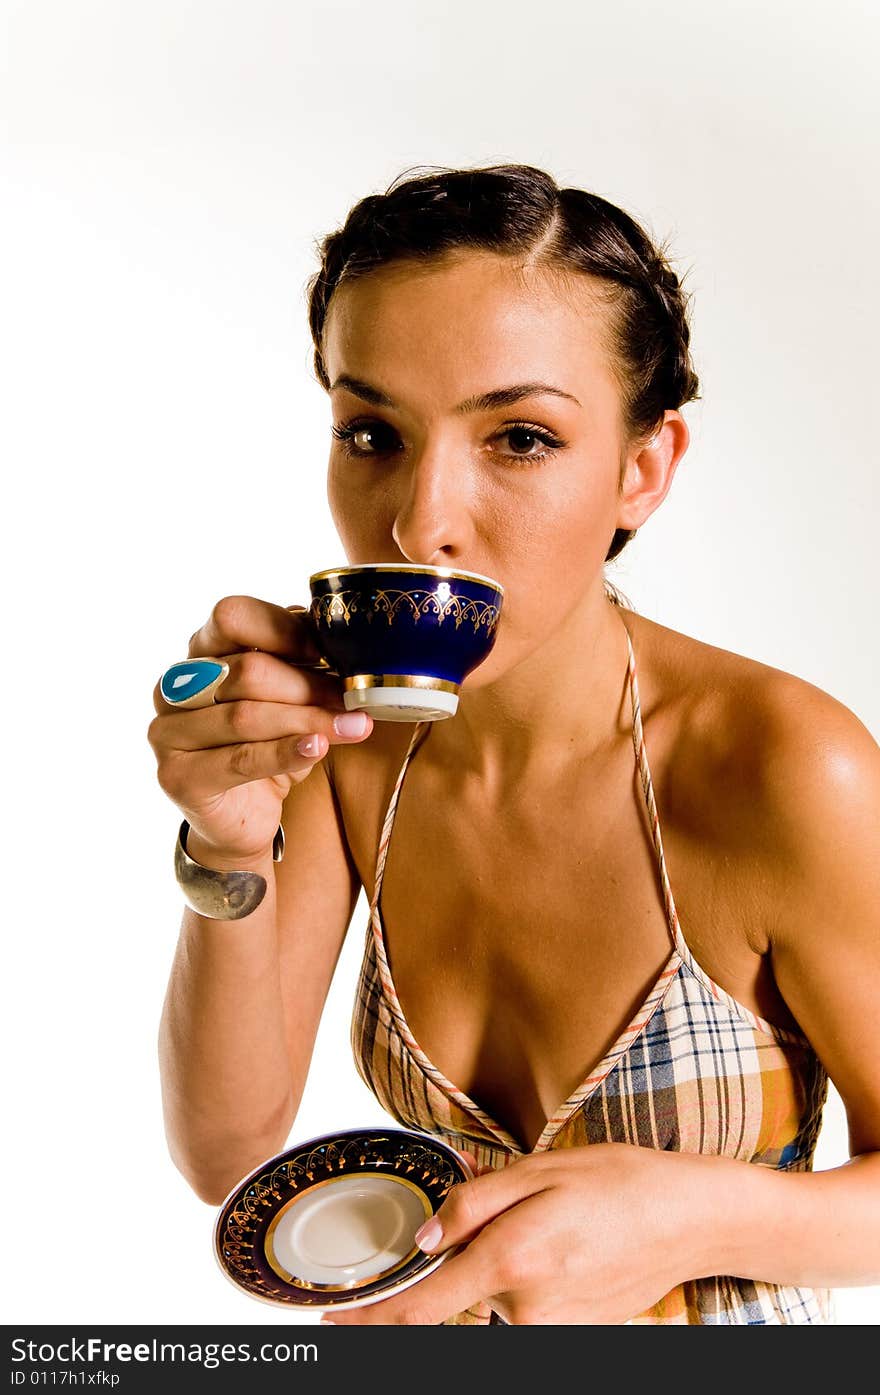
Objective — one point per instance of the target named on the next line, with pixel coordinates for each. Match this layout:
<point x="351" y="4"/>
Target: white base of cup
<point x="403" y="704"/>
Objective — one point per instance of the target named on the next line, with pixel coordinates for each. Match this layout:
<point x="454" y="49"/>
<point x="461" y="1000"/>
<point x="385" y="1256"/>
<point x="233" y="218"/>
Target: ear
<point x="649" y="470"/>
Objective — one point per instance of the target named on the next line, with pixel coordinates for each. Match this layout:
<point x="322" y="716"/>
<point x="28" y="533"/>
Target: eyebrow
<point x="482" y="402"/>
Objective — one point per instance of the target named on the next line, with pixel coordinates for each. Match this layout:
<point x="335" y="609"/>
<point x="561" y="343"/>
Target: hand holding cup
<point x="256" y="715"/>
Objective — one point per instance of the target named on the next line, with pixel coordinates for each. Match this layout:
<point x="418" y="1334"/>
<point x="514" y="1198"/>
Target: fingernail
<point x="429" y="1235"/>
<point x="351" y="724"/>
<point x="326" y="1322"/>
<point x="309" y="746"/>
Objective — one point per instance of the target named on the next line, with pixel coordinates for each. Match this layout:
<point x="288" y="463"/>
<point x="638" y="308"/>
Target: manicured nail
<point x="429" y="1235"/>
<point x="309" y="746"/>
<point x="351" y="724"/>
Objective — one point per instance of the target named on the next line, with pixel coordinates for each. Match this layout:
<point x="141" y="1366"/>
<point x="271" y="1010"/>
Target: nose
<point x="433" y="524"/>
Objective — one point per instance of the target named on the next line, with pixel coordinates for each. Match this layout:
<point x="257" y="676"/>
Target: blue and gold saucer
<point x="330" y="1223"/>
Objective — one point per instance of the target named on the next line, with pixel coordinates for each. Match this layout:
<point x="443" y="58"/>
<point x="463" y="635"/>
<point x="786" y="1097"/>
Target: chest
<point x="511" y="917"/>
<point x="524" y="933"/>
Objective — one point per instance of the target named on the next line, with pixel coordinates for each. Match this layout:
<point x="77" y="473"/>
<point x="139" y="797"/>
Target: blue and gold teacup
<point x="403" y="638"/>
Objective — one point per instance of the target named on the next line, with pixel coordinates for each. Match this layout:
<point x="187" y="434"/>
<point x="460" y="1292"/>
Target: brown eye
<point x="366" y="438"/>
<point x="526" y="442"/>
<point x="523" y="442"/>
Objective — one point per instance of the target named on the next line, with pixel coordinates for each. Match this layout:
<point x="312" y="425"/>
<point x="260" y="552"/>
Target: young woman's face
<point x="477" y="425"/>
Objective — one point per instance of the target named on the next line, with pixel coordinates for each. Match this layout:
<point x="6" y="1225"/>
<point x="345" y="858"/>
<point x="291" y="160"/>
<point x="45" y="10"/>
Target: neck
<point x="569" y="697"/>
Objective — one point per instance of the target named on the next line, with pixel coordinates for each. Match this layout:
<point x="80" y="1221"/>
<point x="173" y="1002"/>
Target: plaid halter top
<point x="694" y="1071"/>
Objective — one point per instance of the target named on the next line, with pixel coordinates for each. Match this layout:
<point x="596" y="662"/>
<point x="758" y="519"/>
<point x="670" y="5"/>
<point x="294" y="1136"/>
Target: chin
<point x="502" y="661"/>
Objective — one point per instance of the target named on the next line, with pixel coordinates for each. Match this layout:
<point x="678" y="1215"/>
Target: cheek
<point x="565" y="524"/>
<point x="550" y="553"/>
<point x="354" y="507"/>
<point x="338" y="488"/>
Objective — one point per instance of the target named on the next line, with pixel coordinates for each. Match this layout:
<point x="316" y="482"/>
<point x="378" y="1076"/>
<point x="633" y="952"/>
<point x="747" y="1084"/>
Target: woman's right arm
<point x="245" y="997"/>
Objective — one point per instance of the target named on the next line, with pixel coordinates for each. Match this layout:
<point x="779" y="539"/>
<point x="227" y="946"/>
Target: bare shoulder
<point x="759" y="756"/>
<point x="815" y="780"/>
<point x="777" y="784"/>
<point x="744" y="715"/>
<point x="816" y="752"/>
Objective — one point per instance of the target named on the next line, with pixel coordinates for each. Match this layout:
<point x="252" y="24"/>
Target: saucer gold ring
<point x="193" y="683"/>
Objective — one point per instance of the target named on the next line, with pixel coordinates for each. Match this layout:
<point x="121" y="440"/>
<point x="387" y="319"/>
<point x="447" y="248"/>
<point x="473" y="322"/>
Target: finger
<point x="470" y="1274"/>
<point x="507" y="1258"/>
<point x="245" y="622"/>
<point x="464" y="1279"/>
<point x="233" y="723"/>
<point x="189" y="778"/>
<point x="192" y="776"/>
<point x="259" y="675"/>
<point x="470" y="1206"/>
<point x="471" y="1160"/>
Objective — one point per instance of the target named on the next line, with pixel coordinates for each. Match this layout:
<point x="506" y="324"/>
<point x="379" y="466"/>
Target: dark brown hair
<point x="518" y="209"/>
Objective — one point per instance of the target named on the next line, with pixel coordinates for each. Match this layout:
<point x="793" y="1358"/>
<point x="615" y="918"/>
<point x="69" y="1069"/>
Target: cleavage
<point x="524" y="943"/>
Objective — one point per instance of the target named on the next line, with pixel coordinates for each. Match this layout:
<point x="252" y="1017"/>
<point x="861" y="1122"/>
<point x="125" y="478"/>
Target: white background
<point x="166" y="170"/>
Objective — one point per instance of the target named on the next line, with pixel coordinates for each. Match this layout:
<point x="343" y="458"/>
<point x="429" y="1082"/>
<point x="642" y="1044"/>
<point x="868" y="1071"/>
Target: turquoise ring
<point x="193" y="683"/>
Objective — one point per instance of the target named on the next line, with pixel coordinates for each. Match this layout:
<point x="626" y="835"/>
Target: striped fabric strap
<point x="385" y="836"/>
<point x="648" y="787"/>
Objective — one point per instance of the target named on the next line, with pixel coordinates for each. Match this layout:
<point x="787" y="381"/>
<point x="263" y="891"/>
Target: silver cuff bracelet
<point x="220" y="895"/>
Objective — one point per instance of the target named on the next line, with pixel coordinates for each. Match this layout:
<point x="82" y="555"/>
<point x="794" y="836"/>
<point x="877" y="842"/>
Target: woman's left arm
<point x="599" y="1234"/>
<point x="822" y="783"/>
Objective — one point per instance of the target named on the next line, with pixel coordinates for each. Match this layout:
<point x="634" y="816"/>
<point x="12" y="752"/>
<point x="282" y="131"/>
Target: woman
<point x="657" y="894"/>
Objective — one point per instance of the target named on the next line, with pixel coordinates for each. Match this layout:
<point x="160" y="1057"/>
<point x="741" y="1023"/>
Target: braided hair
<point x="519" y="209"/>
